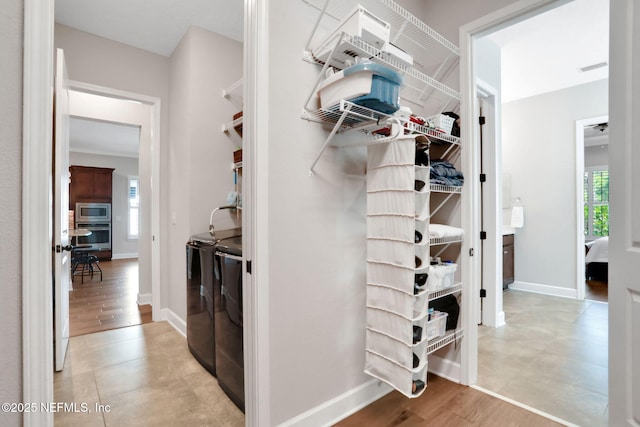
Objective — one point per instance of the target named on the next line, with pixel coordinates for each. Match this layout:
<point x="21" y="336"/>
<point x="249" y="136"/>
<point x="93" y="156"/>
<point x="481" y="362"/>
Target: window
<point x="134" y="207"/>
<point x="596" y="203"/>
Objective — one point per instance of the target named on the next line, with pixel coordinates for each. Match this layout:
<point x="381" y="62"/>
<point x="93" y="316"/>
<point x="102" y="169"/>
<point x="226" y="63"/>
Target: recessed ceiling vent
<point x="594" y="66"/>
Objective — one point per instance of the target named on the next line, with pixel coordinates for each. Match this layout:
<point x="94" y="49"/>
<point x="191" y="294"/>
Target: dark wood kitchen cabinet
<point x="90" y="184"/>
<point x="508" y="274"/>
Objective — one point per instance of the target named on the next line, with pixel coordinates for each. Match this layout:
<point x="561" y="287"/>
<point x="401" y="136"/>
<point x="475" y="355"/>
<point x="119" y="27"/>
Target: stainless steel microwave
<point x="93" y="212"/>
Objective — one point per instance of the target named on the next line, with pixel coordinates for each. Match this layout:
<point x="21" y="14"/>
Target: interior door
<point x="624" y="202"/>
<point x="62" y="253"/>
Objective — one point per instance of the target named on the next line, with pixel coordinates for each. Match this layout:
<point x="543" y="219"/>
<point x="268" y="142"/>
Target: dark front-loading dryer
<point x="228" y="318"/>
<point x="203" y="298"/>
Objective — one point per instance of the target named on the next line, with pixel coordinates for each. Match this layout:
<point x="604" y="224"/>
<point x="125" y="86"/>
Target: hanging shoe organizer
<point x="401" y="330"/>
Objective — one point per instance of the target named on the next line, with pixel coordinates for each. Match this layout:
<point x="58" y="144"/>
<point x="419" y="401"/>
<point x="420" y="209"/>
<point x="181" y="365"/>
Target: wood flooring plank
<point x="96" y="306"/>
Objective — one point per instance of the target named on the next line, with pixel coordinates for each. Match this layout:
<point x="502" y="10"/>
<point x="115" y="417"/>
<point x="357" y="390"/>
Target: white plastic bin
<point x="437" y="326"/>
<point x="441" y="276"/>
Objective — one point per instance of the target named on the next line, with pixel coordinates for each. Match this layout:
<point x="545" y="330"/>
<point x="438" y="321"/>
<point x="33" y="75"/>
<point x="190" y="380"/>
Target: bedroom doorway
<point x="537" y="356"/>
<point x="595" y="143"/>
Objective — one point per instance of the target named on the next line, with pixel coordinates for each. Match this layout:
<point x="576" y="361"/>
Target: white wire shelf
<point x="439" y="188"/>
<point x="342" y="50"/>
<point x="437" y="343"/>
<point x="444" y="292"/>
<point x="434" y="241"/>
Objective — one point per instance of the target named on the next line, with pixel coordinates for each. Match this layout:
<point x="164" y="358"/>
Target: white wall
<point x="539" y="152"/>
<point x="200" y="155"/>
<point x="121" y="245"/>
<point x="597" y="155"/>
<point x="11" y="27"/>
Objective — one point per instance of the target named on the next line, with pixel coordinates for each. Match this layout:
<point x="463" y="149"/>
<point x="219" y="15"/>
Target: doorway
<point x="569" y="286"/>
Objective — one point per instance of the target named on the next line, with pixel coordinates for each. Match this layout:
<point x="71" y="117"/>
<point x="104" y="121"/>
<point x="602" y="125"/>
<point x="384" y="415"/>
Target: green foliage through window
<point x="596" y="203"/>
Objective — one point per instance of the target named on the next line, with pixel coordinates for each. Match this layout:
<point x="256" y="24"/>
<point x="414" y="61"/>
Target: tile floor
<point x="552" y="355"/>
<point x="147" y="377"/>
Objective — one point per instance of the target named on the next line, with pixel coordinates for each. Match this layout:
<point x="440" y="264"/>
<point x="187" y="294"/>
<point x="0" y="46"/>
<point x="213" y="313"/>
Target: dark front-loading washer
<point x="228" y="318"/>
<point x="202" y="301"/>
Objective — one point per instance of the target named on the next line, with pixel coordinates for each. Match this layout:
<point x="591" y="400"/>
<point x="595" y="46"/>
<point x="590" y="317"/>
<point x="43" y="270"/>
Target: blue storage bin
<point x="367" y="84"/>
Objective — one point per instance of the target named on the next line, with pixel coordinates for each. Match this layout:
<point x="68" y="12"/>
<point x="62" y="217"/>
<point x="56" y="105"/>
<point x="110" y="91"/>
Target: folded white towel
<point x="517" y="217"/>
<point x="441" y="231"/>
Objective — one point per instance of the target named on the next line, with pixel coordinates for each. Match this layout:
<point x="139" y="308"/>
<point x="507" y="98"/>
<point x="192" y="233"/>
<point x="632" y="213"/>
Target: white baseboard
<point x="544" y="289"/>
<point x="144" y="299"/>
<point x="340" y="407"/>
<point x="174" y="320"/>
<point x="445" y="368"/>
<point x="124" y="256"/>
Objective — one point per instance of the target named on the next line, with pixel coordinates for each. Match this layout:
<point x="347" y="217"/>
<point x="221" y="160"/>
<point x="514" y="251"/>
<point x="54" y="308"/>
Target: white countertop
<point x="507" y="230"/>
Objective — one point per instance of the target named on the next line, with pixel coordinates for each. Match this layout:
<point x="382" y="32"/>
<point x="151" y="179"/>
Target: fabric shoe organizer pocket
<point x="398" y="152"/>
<point x="391" y="203"/>
<point x="396" y="350"/>
<point x="397" y="376"/>
<point x="392" y="227"/>
<point x="397" y="277"/>
<point x="406" y="254"/>
<point x="386" y="298"/>
<point x="390" y="178"/>
<point x="410" y="331"/>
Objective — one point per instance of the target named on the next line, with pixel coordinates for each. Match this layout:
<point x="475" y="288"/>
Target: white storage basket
<point x="395" y="375"/>
<point x="401" y="278"/>
<point x="396" y="350"/>
<point x="441" y="276"/>
<point x="405" y="304"/>
<point x="437" y="326"/>
<point x="441" y="122"/>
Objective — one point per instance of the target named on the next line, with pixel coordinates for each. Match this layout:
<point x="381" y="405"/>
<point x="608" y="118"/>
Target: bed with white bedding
<point x="597" y="259"/>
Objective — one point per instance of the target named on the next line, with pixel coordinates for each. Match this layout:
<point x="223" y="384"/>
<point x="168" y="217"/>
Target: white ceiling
<point x="156" y="26"/>
<point x="545" y="53"/>
<point x="539" y="55"/>
<point x="96" y="137"/>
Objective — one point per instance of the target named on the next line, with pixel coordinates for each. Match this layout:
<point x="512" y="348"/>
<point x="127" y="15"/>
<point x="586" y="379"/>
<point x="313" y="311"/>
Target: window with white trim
<point x="134" y="207"/>
<point x="596" y="202"/>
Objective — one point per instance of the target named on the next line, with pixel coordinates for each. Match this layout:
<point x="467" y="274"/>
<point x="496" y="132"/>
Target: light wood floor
<point x="96" y="305"/>
<point x="444" y="404"/>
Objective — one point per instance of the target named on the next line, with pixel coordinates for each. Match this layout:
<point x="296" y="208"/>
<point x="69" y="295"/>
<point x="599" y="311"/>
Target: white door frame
<point x="580" y="266"/>
<point x="515" y="12"/>
<point x="492" y="313"/>
<point x="37" y="310"/>
<point x="154" y="209"/>
<point x="37" y="302"/>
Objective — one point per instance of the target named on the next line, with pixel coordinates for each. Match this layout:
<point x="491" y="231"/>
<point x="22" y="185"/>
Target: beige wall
<point x="200" y="155"/>
<point x="11" y="26"/>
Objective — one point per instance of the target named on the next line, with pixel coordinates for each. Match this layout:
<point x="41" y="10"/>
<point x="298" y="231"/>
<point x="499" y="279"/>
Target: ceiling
<point x="545" y="53"/>
<point x="539" y="55"/>
<point x="156" y="26"/>
<point x="96" y="137"/>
